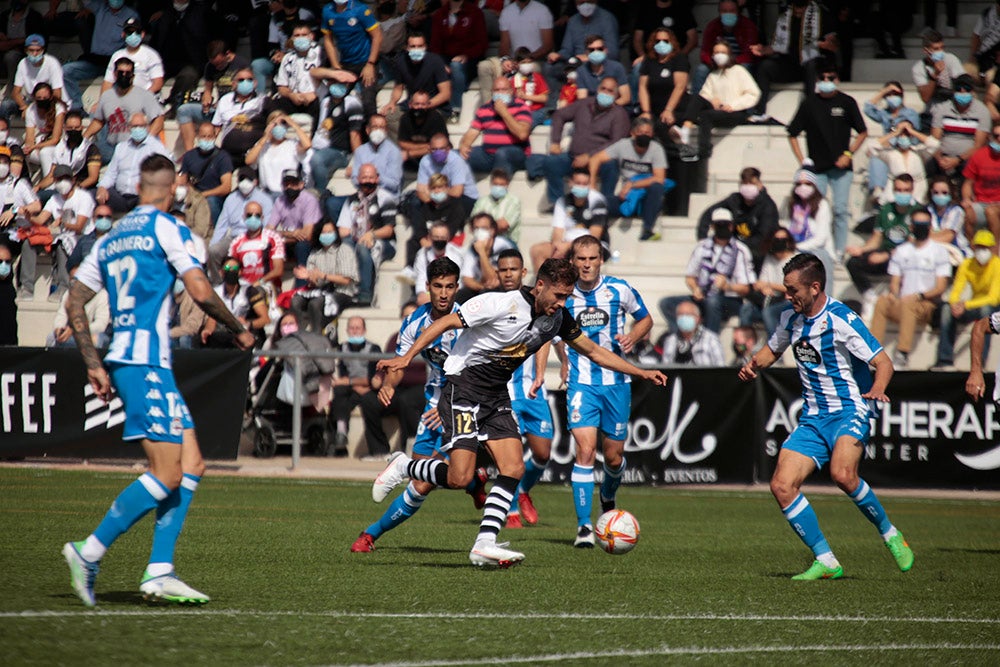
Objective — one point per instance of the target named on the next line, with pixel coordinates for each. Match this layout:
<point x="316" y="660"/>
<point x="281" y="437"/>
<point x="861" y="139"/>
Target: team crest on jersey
<point x="806" y="354"/>
<point x="592" y="318"/>
<point x="575" y="416"/>
<point x="176" y="428"/>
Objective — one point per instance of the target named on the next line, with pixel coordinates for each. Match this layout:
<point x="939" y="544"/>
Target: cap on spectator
<point x="806" y="174"/>
<point x="291" y="175"/>
<point x="62" y="171"/>
<point x="34" y="40"/>
<point x="722" y="214"/>
<point x="984" y="238"/>
<point x="5" y="152"/>
<point x="246" y="173"/>
<point x="963" y="81"/>
<point x="132" y="25"/>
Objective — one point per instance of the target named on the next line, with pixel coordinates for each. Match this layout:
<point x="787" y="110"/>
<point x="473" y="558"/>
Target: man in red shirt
<point x="458" y="34"/>
<point x="505" y="123"/>
<point x="981" y="189"/>
<point x="261" y="251"/>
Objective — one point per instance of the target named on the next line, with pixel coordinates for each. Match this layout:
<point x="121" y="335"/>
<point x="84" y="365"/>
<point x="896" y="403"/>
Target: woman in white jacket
<point x="725" y="100"/>
<point x="809" y="219"/>
<point x="904" y="150"/>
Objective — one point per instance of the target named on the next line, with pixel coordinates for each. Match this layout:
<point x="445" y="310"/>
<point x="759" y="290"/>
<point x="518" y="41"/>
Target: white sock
<point x="93" y="550"/>
<point x="486" y="539"/>
<point x="159" y="569"/>
<point x="889" y="534"/>
<point x="828" y="559"/>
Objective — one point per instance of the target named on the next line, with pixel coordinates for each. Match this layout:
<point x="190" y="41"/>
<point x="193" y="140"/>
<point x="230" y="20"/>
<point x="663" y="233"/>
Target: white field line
<point x="173" y="612"/>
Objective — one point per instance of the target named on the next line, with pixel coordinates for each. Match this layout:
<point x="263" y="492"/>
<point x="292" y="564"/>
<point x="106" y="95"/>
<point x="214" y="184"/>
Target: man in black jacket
<point x="755" y="215"/>
<point x="181" y="36"/>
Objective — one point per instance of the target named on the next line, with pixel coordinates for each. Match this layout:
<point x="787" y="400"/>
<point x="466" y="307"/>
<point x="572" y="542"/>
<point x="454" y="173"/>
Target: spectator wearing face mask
<point x="523" y="23"/>
<point x="755" y="215"/>
<point x="17" y="22"/>
<point x="443" y="160"/>
<point x="731" y="27"/>
<point x="981" y="274"/>
<point x="116" y="109"/>
<point x="530" y="87"/>
<point x="902" y="150"/>
<point x="207" y="169"/>
<point x="110" y="17"/>
<point x="221" y="77"/>
<point x="589" y="20"/>
<point x="330" y="276"/>
<point x="338" y="134"/>
<point x="231" y="220"/>
<point x="239" y="117"/>
<point x="766" y="299"/>
<point x="102" y="225"/>
<point x="352" y="40"/>
<point x="18" y="202"/>
<point x="417" y="69"/>
<point x="43" y="127"/>
<point x="147" y="61"/>
<point x="502" y="205"/>
<point x="119" y="185"/>
<point x="367" y="223"/>
<point x="948" y="216"/>
<point x="260" y="251"/>
<point x="919" y="271"/>
<point x="505" y="125"/>
<point x="981" y="188"/>
<point x="745" y="345"/>
<point x="36" y="67"/>
<point x="582" y="211"/>
<point x="935" y="74"/>
<point x="892" y="114"/>
<point x="440" y="246"/>
<point x="479" y="262"/>
<point x="79" y="154"/>
<point x="298" y="91"/>
<point x="441" y="207"/>
<point x="244" y="300"/>
<point x="282" y="148"/>
<point x="962" y="125"/>
<point x="355" y="378"/>
<point x="416" y="127"/>
<point x="690" y="343"/>
<point x="382" y="153"/>
<point x="295" y="212"/>
<point x="8" y="296"/>
<point x="597" y="68"/>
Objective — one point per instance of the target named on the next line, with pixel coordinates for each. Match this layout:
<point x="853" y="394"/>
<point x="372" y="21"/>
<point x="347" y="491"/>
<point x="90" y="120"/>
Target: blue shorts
<point x="816" y="435"/>
<point x="428" y="441"/>
<point x="534" y="416"/>
<point x="154" y="408"/>
<point x="603" y="407"/>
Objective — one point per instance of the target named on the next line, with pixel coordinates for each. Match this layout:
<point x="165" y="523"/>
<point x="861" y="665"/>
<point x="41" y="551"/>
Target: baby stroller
<point x="268" y="419"/>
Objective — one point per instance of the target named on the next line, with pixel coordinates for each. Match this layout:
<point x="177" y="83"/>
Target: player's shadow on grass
<point x="116" y="597"/>
<point x="982" y="552"/>
<point x="789" y="575"/>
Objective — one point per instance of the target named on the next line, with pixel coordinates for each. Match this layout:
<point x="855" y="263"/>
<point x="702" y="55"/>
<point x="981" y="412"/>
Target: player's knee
<point x="783" y="491"/>
<point x="459" y="479"/>
<point x="197" y="469"/>
<point x="423" y="488"/>
<point x="845" y="477"/>
<point x="169" y="478"/>
<point x="513" y="469"/>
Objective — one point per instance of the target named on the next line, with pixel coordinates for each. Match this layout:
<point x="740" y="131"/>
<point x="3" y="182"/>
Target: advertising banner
<point x="47" y="407"/>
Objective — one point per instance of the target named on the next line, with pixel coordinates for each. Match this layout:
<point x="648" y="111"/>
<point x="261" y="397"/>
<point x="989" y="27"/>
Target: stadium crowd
<point x="642" y="84"/>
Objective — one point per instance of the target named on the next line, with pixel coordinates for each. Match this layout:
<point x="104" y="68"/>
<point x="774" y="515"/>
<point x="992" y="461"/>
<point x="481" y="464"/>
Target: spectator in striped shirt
<point x="691" y="344"/>
<point x="505" y="124"/>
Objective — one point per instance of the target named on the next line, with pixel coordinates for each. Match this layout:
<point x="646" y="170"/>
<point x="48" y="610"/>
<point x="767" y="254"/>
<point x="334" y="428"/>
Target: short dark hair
<point x="415" y="33"/>
<point x="522" y="53"/>
<point x="125" y="61"/>
<point x="558" y="271"/>
<point x="903" y="178"/>
<point x="511" y="253"/>
<point x="301" y="24"/>
<point x="810" y="268"/>
<point x="921" y="211"/>
<point x="74" y="113"/>
<point x="826" y="66"/>
<point x="483" y="214"/>
<point x="155" y="163"/>
<point x="441" y="268"/>
<point x="594" y="37"/>
<point x="500" y="173"/>
<point x="932" y="36"/>
<point x="216" y="48"/>
<point x="748" y="174"/>
<point x="894" y="84"/>
<point x="231" y="258"/>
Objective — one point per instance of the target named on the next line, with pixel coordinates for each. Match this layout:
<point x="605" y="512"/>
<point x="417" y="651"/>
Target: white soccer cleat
<point x="170" y="589"/>
<point x="584" y="537"/>
<point x="490" y="553"/>
<point x="391" y="477"/>
<point x="81" y="572"/>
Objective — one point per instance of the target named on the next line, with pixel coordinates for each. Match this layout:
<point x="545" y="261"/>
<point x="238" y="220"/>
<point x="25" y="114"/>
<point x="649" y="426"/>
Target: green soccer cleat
<point x="819" y="571"/>
<point x="169" y="588"/>
<point x="901" y="551"/>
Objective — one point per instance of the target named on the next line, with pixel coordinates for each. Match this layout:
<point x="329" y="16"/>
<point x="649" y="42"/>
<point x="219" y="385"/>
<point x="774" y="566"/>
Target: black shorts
<point x="472" y="416"/>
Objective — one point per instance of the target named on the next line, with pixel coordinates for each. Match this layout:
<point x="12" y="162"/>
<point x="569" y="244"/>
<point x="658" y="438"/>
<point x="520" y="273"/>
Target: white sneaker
<point x="490" y="553"/>
<point x="391" y="477"/>
<point x="169" y="588"/>
<point x="759" y="118"/>
<point x="868" y="300"/>
<point x="407" y="276"/>
<point x="685" y="135"/>
<point x="584" y="537"/>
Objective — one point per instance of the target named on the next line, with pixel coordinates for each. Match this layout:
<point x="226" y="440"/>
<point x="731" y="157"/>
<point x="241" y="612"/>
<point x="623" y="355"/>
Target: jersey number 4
<point x="124" y="271"/>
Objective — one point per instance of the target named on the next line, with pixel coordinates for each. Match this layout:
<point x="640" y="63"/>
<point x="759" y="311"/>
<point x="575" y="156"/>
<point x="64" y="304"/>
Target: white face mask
<point x="805" y="190"/>
<point x="983" y="255"/>
<point x="3" y="137"/>
<point x="377" y="136"/>
<point x="63" y="187"/>
<point x="4" y="170"/>
<point x="481" y="234"/>
<point x="587" y="9"/>
<point x="181" y="193"/>
<point x="525" y="69"/>
<point x="721" y="59"/>
<point x="245" y="187"/>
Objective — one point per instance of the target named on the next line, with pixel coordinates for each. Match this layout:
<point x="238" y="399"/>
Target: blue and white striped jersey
<point x="522" y="379"/>
<point x="833" y="350"/>
<point x="600" y="314"/>
<point x="434" y="355"/>
<point x="137" y="262"/>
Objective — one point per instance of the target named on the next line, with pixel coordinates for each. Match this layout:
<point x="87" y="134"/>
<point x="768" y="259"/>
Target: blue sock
<point x="583" y="492"/>
<point x="402" y="508"/>
<point x="865" y="499"/>
<point x="533" y="471"/>
<point x="170" y="517"/>
<point x="802" y="518"/>
<point x="612" y="480"/>
<point x="132" y="504"/>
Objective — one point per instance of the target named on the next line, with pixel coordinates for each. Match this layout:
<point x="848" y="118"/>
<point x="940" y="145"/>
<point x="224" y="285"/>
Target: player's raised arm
<point x="429" y="335"/>
<point x="610" y="360"/>
<point x="765" y="357"/>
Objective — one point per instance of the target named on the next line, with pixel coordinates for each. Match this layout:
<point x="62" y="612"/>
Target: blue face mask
<point x="937" y="56"/>
<point x="116" y="4"/>
<point x="338" y="90"/>
<point x="302" y="44"/>
<point x="663" y="48"/>
<point x="133" y="39"/>
<point x="356" y="340"/>
<point x="279" y="132"/>
<point x="4" y="269"/>
<point x="597" y="57"/>
<point x="35" y="59"/>
<point x="206" y="145"/>
<point x="102" y="224"/>
<point x="963" y="99"/>
<point x="894" y="101"/>
<point x="327" y="239"/>
<point x="826" y="87"/>
<point x="902" y="198"/>
<point x="416" y="55"/>
<point x="728" y="19"/>
<point x="579" y="191"/>
<point x="498" y="192"/>
<point x="504" y="98"/>
<point x="244" y="87"/>
<point x="941" y="200"/>
<point x="687" y="323"/>
<point x="605" y="99"/>
<point x="903" y="143"/>
<point x="994" y="146"/>
<point x="253" y="223"/>
<point x="438" y="196"/>
<point x="138" y="134"/>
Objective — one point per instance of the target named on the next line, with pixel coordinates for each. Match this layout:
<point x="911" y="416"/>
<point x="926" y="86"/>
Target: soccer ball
<point x="617" y="532"/>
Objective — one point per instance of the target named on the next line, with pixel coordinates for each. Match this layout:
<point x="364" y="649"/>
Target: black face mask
<point x="921" y="232"/>
<point x="723" y="232"/>
<point x="231" y="277"/>
<point x="739" y="350"/>
<point x="367" y="188"/>
<point x="124" y="81"/>
<point x="74" y="137"/>
<point x="45" y="104"/>
<point x="439" y="245"/>
<point x="780" y="245"/>
<point x="643" y="141"/>
<point x="418" y="115"/>
<point x="292" y="194"/>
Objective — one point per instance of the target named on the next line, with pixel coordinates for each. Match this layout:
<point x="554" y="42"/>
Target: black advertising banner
<point x="929" y="435"/>
<point x="693" y="431"/>
<point x="47" y="407"/>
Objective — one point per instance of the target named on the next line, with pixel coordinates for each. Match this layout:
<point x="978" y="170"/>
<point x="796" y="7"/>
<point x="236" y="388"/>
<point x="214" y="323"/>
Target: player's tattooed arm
<point x="197" y="285"/>
<point x="79" y="296"/>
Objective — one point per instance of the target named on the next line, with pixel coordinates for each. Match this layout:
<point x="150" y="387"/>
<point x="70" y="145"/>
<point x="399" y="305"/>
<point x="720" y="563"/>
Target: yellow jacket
<point x="984" y="280"/>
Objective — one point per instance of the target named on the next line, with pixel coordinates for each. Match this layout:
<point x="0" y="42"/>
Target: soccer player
<point x="501" y="330"/>
<point x="137" y="262"/>
<point x="833" y="350"/>
<point x="975" y="385"/>
<point x="442" y="285"/>
<point x="529" y="402"/>
<point x="599" y="399"/>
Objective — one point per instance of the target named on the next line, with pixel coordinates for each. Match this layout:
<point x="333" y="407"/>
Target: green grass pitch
<point x="708" y="582"/>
